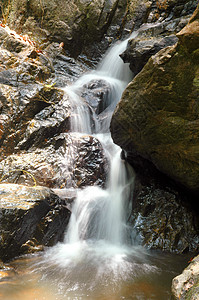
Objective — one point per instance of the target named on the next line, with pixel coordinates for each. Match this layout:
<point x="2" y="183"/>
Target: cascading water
<point x="96" y="250"/>
<point x="99" y="214"/>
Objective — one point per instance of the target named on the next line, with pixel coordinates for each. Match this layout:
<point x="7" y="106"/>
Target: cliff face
<point x="158" y="115"/>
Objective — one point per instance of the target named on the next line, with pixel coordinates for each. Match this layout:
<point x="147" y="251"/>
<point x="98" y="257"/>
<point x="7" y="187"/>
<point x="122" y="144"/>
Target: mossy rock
<point x="76" y="23"/>
<point x="158" y="115"/>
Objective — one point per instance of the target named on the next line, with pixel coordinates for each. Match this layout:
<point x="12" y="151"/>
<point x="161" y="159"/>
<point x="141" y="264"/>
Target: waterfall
<point x="96" y="252"/>
<point x="100" y="214"/>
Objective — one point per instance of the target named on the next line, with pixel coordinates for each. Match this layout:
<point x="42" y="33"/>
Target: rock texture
<point x="140" y="49"/>
<point x="76" y="23"/>
<point x="186" y="285"/>
<point x="157" y="117"/>
<point x="30" y="217"/>
<point x="161" y="216"/>
<point x="65" y="161"/>
<point x="36" y="146"/>
<point x="161" y="20"/>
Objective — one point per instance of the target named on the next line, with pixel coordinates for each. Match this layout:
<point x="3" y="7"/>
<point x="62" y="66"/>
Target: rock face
<point x="76" y="23"/>
<point x="157" y="117"/>
<point x="161" y="20"/>
<point x="161" y="216"/>
<point x="26" y="97"/>
<point x="186" y="285"/>
<point x="66" y="161"/>
<point x="29" y="217"/>
<point x="37" y="148"/>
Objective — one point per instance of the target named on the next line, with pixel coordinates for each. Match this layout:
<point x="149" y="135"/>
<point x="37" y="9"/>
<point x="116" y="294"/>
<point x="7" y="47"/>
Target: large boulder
<point x="139" y="50"/>
<point x="30" y="218"/>
<point x="157" y="117"/>
<point x="186" y="285"/>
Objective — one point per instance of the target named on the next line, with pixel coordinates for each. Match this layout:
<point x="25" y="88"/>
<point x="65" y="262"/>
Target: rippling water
<point x="88" y="272"/>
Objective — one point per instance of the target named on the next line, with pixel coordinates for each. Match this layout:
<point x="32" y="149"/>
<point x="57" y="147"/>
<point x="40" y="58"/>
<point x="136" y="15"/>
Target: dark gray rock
<point x="139" y="51"/>
<point x="162" y="219"/>
<point x="96" y="94"/>
<point x="68" y="160"/>
<point x="30" y="217"/>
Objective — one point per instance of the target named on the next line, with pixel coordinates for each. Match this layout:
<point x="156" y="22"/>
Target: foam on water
<point x="97" y="249"/>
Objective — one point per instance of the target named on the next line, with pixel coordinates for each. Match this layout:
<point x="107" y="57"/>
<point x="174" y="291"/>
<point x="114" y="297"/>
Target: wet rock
<point x="29" y="214"/>
<point x="96" y="93"/>
<point x="157" y="117"/>
<point x="67" y="69"/>
<point x="22" y="111"/>
<point x="186" y="285"/>
<point x="20" y="57"/>
<point x="160" y="11"/>
<point x="160" y="22"/>
<point x="162" y="218"/>
<point x="68" y="160"/>
<point x="50" y="121"/>
<point x="139" y="51"/>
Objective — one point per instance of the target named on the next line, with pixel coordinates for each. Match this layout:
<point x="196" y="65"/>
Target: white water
<point x="99" y="214"/>
<point x="97" y="251"/>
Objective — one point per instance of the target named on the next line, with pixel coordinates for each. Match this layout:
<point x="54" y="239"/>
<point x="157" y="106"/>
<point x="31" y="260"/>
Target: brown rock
<point x="158" y="115"/>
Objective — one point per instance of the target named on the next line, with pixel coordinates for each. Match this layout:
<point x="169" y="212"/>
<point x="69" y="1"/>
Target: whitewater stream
<point x="100" y="257"/>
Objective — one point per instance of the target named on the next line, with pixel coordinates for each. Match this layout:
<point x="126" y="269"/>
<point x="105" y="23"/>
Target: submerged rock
<point x="157" y="117"/>
<point x="29" y="217"/>
<point x="186" y="285"/>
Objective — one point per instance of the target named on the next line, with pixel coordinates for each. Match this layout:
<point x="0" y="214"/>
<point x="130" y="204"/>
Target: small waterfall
<point x="96" y="253"/>
<point x="111" y="70"/>
<point x="100" y="214"/>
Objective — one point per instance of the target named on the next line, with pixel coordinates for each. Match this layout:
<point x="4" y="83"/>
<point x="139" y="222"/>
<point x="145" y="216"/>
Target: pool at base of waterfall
<point x="92" y="271"/>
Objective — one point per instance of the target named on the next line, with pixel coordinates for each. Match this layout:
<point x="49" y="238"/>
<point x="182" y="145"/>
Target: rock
<point x="76" y="23"/>
<point x="28" y="110"/>
<point x="160" y="214"/>
<point x="157" y="117"/>
<point x="68" y="160"/>
<point x="33" y="215"/>
<point x="160" y="22"/>
<point x="139" y="51"/>
<point x="96" y="94"/>
<point x="67" y="69"/>
<point x="186" y="285"/>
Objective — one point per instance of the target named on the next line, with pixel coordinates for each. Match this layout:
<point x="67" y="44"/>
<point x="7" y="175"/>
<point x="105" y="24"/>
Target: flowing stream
<point x="100" y="258"/>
